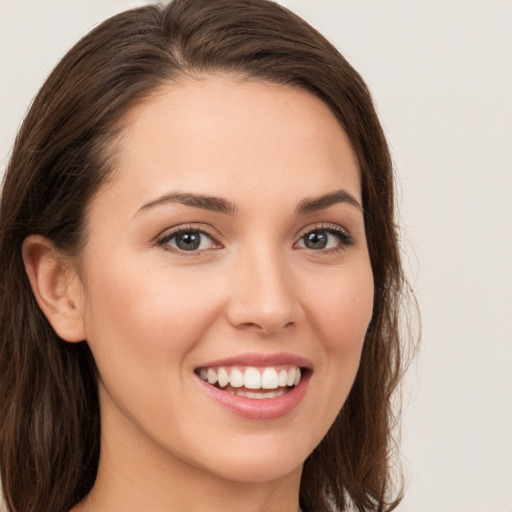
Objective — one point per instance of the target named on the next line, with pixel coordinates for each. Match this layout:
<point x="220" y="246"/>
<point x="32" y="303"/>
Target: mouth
<point x="257" y="387"/>
<point x="253" y="382"/>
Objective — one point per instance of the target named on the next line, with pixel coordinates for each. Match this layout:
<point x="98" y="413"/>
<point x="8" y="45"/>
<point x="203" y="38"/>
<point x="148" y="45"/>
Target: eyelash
<point x="163" y="241"/>
<point x="333" y="229"/>
<point x="345" y="240"/>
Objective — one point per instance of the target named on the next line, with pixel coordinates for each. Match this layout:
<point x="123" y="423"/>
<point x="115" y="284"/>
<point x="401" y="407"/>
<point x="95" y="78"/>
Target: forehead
<point x="234" y="139"/>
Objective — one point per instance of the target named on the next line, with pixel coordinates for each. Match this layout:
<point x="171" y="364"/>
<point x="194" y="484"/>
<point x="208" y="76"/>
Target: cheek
<point x="343" y="309"/>
<point x="157" y="303"/>
<point x="341" y="313"/>
<point x="339" y="316"/>
<point x="141" y="331"/>
<point x="144" y="323"/>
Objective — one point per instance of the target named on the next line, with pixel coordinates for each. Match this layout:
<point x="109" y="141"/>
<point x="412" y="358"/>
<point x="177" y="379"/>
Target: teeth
<point x="252" y="378"/>
<point x="236" y="378"/>
<point x="259" y="396"/>
<point x="223" y="377"/>
<point x="282" y="378"/>
<point x="211" y="376"/>
<point x="269" y="379"/>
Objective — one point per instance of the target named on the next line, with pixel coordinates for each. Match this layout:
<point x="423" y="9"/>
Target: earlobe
<point x="56" y="287"/>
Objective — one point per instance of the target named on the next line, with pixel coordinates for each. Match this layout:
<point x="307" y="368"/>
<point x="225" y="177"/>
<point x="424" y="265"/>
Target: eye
<point x="188" y="239"/>
<point x="325" y="238"/>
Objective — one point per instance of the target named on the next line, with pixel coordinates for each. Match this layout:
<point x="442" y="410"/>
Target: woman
<point x="200" y="273"/>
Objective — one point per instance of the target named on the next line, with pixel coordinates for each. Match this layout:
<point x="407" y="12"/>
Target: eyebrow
<point x="220" y="205"/>
<point x="213" y="204"/>
<point x="326" y="200"/>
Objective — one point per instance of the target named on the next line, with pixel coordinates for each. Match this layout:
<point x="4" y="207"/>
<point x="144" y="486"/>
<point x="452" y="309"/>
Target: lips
<point x="256" y="386"/>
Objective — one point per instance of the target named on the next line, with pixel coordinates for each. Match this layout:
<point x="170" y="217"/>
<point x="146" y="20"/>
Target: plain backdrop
<point x="441" y="75"/>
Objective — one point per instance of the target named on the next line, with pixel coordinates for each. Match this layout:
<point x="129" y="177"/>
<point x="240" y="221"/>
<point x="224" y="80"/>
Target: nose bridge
<point x="263" y="295"/>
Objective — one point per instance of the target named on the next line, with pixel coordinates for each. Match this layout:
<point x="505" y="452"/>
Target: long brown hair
<point x="49" y="409"/>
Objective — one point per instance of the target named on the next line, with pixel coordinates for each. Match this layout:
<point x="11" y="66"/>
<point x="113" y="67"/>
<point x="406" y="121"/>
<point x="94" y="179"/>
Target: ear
<point x="56" y="286"/>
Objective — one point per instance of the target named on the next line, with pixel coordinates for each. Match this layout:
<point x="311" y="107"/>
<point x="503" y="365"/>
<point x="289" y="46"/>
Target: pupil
<point x="188" y="241"/>
<point x="316" y="240"/>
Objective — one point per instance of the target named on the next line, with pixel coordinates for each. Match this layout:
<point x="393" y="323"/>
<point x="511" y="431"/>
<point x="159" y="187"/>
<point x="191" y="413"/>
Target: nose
<point x="263" y="297"/>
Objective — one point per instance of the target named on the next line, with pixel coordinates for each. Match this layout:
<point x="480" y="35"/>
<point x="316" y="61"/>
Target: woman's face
<point x="230" y="246"/>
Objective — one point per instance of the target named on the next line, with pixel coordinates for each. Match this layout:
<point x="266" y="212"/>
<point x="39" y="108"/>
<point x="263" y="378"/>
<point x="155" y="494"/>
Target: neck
<point x="196" y="495"/>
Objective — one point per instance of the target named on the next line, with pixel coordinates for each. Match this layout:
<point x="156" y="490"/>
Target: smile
<point x="256" y="386"/>
<point x="253" y="382"/>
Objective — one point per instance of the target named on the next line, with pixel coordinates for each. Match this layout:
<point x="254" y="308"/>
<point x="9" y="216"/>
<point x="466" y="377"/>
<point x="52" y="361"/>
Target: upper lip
<point x="257" y="359"/>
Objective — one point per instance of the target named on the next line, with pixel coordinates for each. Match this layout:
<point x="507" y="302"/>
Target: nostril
<point x="266" y="327"/>
<point x="271" y="330"/>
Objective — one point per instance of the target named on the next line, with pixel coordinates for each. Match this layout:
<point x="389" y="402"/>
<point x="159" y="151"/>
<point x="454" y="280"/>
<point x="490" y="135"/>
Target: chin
<point x="272" y="468"/>
<point x="260" y="458"/>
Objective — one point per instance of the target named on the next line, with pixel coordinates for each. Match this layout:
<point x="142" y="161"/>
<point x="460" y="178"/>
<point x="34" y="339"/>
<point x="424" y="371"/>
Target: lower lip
<point x="262" y="408"/>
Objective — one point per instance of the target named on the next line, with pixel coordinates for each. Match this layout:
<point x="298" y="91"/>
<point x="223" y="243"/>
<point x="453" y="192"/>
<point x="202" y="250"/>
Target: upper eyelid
<point x="327" y="226"/>
<point x="187" y="227"/>
<point x="210" y="232"/>
<point x="345" y="237"/>
<point x="170" y="232"/>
